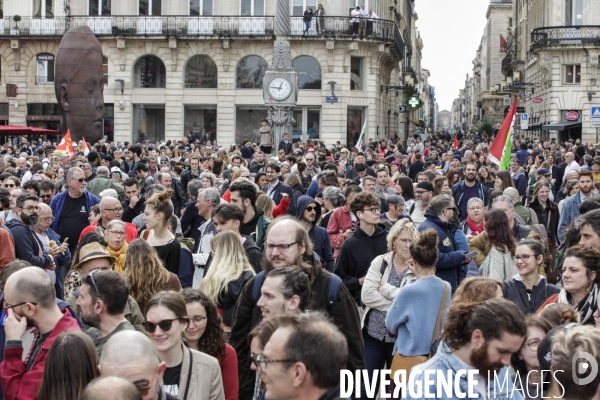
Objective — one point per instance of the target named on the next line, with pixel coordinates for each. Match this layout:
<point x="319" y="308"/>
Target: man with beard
<point x="243" y="196"/>
<point x="467" y="189"/>
<point x="570" y="209"/>
<point x="423" y="195"/>
<point x="479" y="337"/>
<point x="288" y="245"/>
<point x="102" y="300"/>
<point x="28" y="247"/>
<point x="308" y="213"/>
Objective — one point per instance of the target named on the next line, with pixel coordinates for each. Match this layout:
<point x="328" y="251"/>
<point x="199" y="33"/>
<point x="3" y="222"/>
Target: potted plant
<point x="16" y="18"/>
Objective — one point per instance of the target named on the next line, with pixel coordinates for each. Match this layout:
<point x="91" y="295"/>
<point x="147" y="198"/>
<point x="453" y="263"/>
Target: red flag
<point x="499" y="145"/>
<point x="455" y="144"/>
<point x="503" y="45"/>
<point x="66" y="145"/>
<point x="85" y="147"/>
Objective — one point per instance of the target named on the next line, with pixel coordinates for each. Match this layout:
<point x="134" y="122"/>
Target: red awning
<point x="13" y="130"/>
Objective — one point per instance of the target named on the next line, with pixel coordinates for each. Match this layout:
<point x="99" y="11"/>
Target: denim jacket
<point x="444" y="361"/>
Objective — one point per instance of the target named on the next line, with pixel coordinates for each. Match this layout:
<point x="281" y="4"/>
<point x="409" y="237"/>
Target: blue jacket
<point x="570" y="211"/>
<point x="283" y="188"/>
<point x="58" y="202"/>
<point x="318" y="236"/>
<point x="450" y="257"/>
<point x="522" y="156"/>
<point x="27" y="246"/>
<point x="520" y="181"/>
<point x="446" y="362"/>
<point x="458" y="190"/>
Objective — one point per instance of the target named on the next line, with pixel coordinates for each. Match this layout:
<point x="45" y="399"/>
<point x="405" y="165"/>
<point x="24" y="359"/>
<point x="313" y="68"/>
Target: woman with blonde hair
<point x="229" y="271"/>
<point x="265" y="203"/>
<point x="145" y="273"/>
<point x="156" y="217"/>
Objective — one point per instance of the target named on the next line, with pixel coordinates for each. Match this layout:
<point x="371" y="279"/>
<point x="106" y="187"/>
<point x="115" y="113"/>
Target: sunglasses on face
<point x="9" y="185"/>
<point x="164" y="325"/>
<point x="311" y="208"/>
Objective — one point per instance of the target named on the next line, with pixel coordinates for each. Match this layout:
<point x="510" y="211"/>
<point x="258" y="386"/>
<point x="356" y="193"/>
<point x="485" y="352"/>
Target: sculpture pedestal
<point x="280" y="119"/>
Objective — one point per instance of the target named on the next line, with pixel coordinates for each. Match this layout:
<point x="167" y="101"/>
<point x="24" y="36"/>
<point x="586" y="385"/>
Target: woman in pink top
<point x="342" y="221"/>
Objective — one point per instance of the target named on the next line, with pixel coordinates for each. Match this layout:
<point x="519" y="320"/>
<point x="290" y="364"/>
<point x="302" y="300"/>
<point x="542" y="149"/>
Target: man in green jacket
<point x="102" y="182"/>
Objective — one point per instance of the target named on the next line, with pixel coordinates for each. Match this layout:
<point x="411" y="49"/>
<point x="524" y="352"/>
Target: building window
<point x="109" y="121"/>
<point x="148" y="122"/>
<point x="100" y="7"/>
<point x="250" y="72"/>
<point x="247" y="123"/>
<point x="309" y="72"/>
<point x="354" y="125"/>
<point x="352" y="4"/>
<point x="250" y="8"/>
<point x="573" y="12"/>
<point x="201" y="122"/>
<point x="308" y="122"/>
<point x="201" y="7"/>
<point x="299" y="6"/>
<point x="150" y="7"/>
<point x="43" y="8"/>
<point x="356" y="73"/>
<point x="201" y="73"/>
<point x="149" y="72"/>
<point x="105" y="69"/>
<point x="45" y="69"/>
<point x="573" y="73"/>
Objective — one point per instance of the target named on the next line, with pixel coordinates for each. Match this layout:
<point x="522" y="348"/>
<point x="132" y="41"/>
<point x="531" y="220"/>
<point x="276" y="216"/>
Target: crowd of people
<point x="187" y="270"/>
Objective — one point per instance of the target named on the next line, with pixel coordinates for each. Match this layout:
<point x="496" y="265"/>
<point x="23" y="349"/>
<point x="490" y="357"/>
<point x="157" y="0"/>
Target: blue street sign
<point x="331" y="99"/>
<point x="524" y="117"/>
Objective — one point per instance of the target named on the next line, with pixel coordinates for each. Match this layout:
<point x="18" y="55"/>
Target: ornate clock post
<point x="280" y="84"/>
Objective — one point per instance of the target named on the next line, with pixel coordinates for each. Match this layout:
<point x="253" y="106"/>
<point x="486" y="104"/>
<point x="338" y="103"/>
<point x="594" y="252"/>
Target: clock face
<point x="280" y="88"/>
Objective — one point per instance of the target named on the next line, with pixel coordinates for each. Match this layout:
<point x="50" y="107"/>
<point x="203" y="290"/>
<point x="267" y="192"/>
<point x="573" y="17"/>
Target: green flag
<point x="505" y="162"/>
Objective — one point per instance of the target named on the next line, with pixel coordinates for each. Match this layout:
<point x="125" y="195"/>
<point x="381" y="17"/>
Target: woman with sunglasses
<point x="190" y="374"/>
<point x="11" y="183"/>
<point x="204" y="333"/>
<point x="527" y="289"/>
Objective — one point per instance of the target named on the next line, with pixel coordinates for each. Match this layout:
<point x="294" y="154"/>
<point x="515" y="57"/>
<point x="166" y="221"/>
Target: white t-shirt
<point x="45" y="240"/>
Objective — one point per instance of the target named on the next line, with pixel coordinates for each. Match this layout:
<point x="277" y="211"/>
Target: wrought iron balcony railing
<point x="565" y="35"/>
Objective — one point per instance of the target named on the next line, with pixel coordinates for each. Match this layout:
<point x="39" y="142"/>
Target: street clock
<point x="280" y="88"/>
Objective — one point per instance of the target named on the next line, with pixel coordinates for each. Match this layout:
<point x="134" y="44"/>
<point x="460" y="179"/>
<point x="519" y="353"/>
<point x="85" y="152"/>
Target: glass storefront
<point x="109" y="121"/>
<point x="247" y="123"/>
<point x="148" y="122"/>
<point x="354" y="125"/>
<point x="201" y="121"/>
<point x="308" y="123"/>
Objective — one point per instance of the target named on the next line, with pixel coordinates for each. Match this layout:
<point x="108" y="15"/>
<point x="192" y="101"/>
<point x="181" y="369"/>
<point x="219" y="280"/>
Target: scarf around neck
<point x="120" y="257"/>
<point x="476" y="229"/>
<point x="586" y="307"/>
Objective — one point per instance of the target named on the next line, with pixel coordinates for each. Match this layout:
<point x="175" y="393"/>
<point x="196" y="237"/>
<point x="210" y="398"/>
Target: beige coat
<point x="205" y="381"/>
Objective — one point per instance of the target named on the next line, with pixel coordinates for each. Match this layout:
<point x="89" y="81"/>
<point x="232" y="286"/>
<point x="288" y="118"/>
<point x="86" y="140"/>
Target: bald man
<point x="131" y="355"/>
<point x="110" y="387"/>
<point x="110" y="209"/>
<point x="79" y="84"/>
<point x="29" y="299"/>
<point x="60" y="251"/>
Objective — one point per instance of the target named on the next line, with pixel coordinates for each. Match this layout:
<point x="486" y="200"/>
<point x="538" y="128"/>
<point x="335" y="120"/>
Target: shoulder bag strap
<point x="439" y="318"/>
<point x="189" y="377"/>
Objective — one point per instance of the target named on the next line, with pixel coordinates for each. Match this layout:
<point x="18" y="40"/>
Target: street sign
<point x="595" y="116"/>
<point x="402" y="109"/>
<point x="524" y="121"/>
<point x="520" y="110"/>
<point x="414" y="101"/>
<point x="507" y="101"/>
<point x="331" y="99"/>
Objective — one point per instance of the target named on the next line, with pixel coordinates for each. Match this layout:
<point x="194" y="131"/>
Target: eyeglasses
<point x="280" y="247"/>
<point x="449" y="208"/>
<point x="46" y="196"/>
<point x="533" y="344"/>
<point x="253" y="360"/>
<point x="115" y="210"/>
<point x="116" y="174"/>
<point x="524" y="257"/>
<point x="475" y="208"/>
<point x="7" y="306"/>
<point x="9" y="185"/>
<point x="406" y="242"/>
<point x="197" y="320"/>
<point x="117" y="233"/>
<point x="143" y="386"/>
<point x="262" y="362"/>
<point x="51" y="219"/>
<point x="80" y="180"/>
<point x="311" y="208"/>
<point x="420" y="191"/>
<point x="164" y="325"/>
<point x="374" y="210"/>
<point x="31" y="209"/>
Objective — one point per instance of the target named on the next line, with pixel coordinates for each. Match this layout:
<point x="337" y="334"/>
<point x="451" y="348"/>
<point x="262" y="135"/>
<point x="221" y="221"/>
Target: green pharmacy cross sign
<point x="414" y="102"/>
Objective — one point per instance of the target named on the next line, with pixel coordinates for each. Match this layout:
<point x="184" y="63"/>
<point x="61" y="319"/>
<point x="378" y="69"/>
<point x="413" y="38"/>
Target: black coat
<point x="515" y="291"/>
<point x="287" y="147"/>
<point x="414" y="169"/>
<point x="278" y="190"/>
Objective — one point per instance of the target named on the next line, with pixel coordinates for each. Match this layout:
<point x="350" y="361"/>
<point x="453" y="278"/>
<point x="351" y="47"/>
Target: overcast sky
<point x="451" y="32"/>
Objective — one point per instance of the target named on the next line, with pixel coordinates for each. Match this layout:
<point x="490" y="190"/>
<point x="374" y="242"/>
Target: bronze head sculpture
<point x="79" y="84"/>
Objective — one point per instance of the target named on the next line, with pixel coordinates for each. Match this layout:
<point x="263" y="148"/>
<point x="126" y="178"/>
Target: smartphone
<point x="472" y="254"/>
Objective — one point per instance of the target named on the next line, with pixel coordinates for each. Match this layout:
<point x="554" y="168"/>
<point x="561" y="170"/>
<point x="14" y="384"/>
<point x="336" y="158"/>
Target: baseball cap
<point x="425" y="185"/>
<point x="116" y="169"/>
<point x="543" y="172"/>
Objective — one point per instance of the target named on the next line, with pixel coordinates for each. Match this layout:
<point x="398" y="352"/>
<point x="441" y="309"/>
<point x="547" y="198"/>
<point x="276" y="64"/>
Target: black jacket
<point x="253" y="253"/>
<point x="514" y="290"/>
<point x="188" y="176"/>
<point x="551" y="224"/>
<point x="190" y="222"/>
<point x="356" y="255"/>
<point x="344" y="314"/>
<point x="414" y="169"/>
<point x="287" y="147"/>
<point x="228" y="298"/>
<point x="130" y="213"/>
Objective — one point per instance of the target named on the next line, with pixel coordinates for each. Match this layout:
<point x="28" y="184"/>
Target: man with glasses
<point x="110" y="209"/>
<point x="47" y="191"/>
<point x="29" y="300"/>
<point x="72" y="207"/>
<point x="131" y="355"/>
<point x="12" y="203"/>
<point x="103" y="182"/>
<point x="28" y="247"/>
<point x="423" y="195"/>
<point x="51" y="245"/>
<point x="102" y="300"/>
<point x="288" y="245"/>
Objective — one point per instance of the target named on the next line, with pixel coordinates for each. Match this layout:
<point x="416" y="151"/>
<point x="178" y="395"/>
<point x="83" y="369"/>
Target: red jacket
<point x="339" y="222"/>
<point x="282" y="208"/>
<point x="17" y="382"/>
<point x="131" y="231"/>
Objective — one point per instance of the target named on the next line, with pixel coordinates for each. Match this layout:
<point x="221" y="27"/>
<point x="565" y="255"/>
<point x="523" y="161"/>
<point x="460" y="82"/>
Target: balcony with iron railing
<point x="565" y="35"/>
<point x="329" y="27"/>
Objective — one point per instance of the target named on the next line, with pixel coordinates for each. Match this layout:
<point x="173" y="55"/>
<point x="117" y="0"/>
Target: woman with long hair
<point x="487" y="177"/>
<point x="453" y="176"/>
<point x="228" y="273"/>
<point x="72" y="363"/>
<point x="440" y="186"/>
<point x="499" y="245"/>
<point x="406" y="190"/>
<point x="571" y="188"/>
<point x="265" y="203"/>
<point x="546" y="211"/>
<point x="294" y="181"/>
<point x="580" y="278"/>
<point x="190" y="374"/>
<point x="145" y="273"/>
<point x="503" y="181"/>
<point x="204" y="333"/>
<point x="418" y="307"/>
<point x="261" y="180"/>
<point x="528" y="290"/>
<point x="156" y="217"/>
